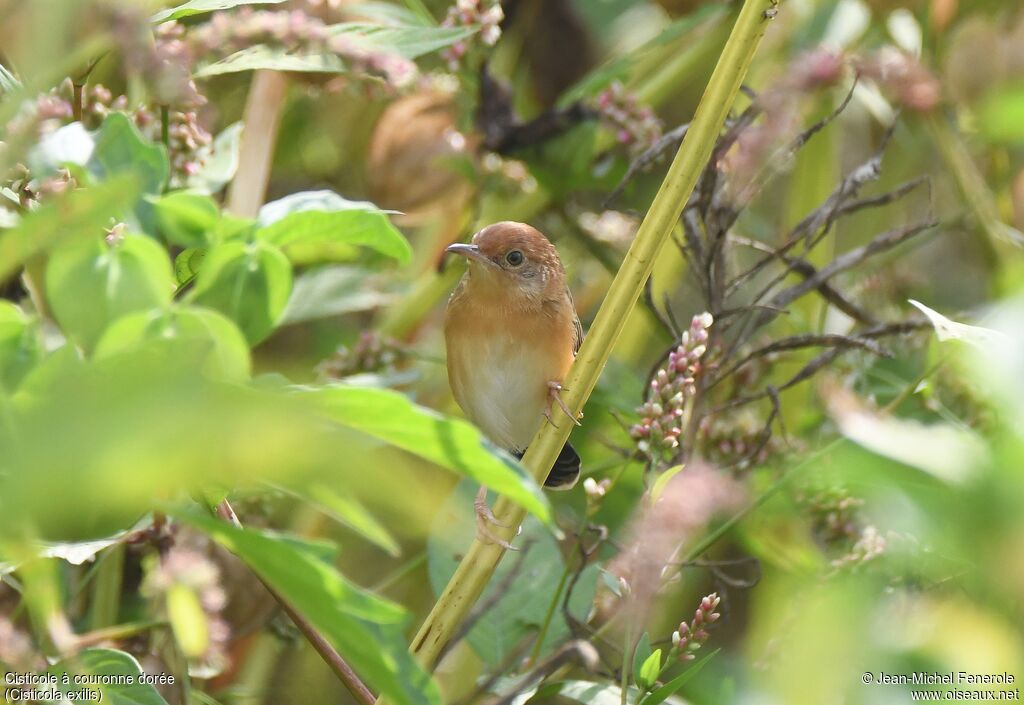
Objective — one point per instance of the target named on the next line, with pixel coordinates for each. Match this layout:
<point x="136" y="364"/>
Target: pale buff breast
<point x="498" y="370"/>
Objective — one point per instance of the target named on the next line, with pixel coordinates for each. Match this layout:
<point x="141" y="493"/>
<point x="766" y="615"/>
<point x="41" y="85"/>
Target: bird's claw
<point x="554" y="396"/>
<point x="485" y="519"/>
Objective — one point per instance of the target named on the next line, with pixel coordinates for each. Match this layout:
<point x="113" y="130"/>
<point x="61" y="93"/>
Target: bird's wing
<point x="577" y="327"/>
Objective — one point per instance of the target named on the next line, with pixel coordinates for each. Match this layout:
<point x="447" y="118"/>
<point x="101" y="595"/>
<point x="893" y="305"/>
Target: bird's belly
<point x="501" y="385"/>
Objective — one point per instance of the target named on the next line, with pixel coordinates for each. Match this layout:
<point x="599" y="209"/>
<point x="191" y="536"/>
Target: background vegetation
<point x="225" y="426"/>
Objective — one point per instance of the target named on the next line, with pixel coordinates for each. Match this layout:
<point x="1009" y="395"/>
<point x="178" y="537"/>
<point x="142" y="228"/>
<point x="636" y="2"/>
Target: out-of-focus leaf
<point x="216" y="343"/>
<point x="946" y="329"/>
<point x="220" y="167"/>
<point x="524" y="602"/>
<point x="188" y="621"/>
<point x="662" y="481"/>
<point x="949" y="453"/>
<point x="91" y="284"/>
<point x="8" y="81"/>
<point x="641" y="654"/>
<point x="78" y="552"/>
<point x="186" y="219"/>
<point x="106" y="662"/>
<point x="325" y="217"/>
<point x="408" y="42"/>
<point x="273" y="59"/>
<point x="188" y="263"/>
<point x="676" y="684"/>
<point x="81" y="213"/>
<point x="70" y="144"/>
<point x="594" y="693"/>
<point x="20" y="347"/>
<point x="249" y="282"/>
<point x="347" y="510"/>
<point x="647" y="675"/>
<point x="387" y="13"/>
<point x="331" y="291"/>
<point x="121" y="149"/>
<point x="199" y="7"/>
<point x="1001" y="115"/>
<point x="449" y="442"/>
<point x="367" y="630"/>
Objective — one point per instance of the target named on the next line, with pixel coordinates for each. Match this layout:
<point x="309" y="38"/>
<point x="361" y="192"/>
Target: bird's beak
<point x="471" y="252"/>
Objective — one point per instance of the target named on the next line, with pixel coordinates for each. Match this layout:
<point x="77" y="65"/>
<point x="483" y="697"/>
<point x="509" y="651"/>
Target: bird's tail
<point x="565" y="471"/>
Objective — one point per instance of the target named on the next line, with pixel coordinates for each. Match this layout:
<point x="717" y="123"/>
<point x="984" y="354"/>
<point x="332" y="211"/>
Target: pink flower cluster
<point x="485" y="14"/>
<point x="634" y="125"/>
<point x="691" y="635"/>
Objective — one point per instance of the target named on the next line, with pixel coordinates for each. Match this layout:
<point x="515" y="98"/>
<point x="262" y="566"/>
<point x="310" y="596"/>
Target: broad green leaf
<point x="324" y="217"/>
<point x="8" y="81"/>
<point x="347" y="510"/>
<point x="186" y="219"/>
<point x="222" y="163"/>
<point x="91" y="284"/>
<point x="641" y="654"/>
<point x="187" y="264"/>
<point x="368" y="631"/>
<point x="107" y="662"/>
<point x="249" y="282"/>
<point x="451" y="443"/>
<point x="594" y="693"/>
<point x="523" y="603"/>
<point x="20" y="347"/>
<point x="647" y="675"/>
<point x="272" y="59"/>
<point x="219" y="348"/>
<point x="676" y="684"/>
<point x="332" y="291"/>
<point x="121" y="149"/>
<point x="81" y="213"/>
<point x="408" y="42"/>
<point x="199" y="7"/>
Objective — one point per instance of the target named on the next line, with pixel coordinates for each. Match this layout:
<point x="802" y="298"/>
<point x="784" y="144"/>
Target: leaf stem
<point x="477" y="567"/>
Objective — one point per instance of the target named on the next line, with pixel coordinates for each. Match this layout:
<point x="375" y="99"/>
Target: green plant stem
<point x="627" y="658"/>
<point x="477" y="567"/>
<point x="115" y="632"/>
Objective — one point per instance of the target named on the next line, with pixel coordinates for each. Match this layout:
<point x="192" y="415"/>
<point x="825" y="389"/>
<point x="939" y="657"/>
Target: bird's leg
<point x="555" y="397"/>
<point x="485" y="519"/>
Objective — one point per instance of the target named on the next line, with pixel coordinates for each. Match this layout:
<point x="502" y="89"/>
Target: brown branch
<point x="263" y="110"/>
<point x="327" y="652"/>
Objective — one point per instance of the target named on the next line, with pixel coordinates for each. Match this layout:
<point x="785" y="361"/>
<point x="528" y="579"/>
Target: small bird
<point x="512" y="332"/>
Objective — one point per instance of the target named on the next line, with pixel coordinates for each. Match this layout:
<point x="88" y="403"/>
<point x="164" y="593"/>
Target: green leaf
<point x="676" y="684"/>
<point x="8" y="81"/>
<point x="449" y="442"/>
<point x="186" y="219"/>
<point x="408" y="42"/>
<point x="121" y="149"/>
<point x="647" y="676"/>
<point x="188" y="263"/>
<point x="272" y="59"/>
<point x="219" y="348"/>
<point x="332" y="291"/>
<point x="20" y="347"/>
<point x="249" y="282"/>
<point x="199" y="7"/>
<point x="91" y="284"/>
<point x="642" y="652"/>
<point x="324" y="217"/>
<point x="662" y="481"/>
<point x="389" y="14"/>
<point x="522" y="604"/>
<point x="347" y="510"/>
<point x="594" y="693"/>
<point x="107" y="662"/>
<point x="222" y="163"/>
<point x="368" y="631"/>
<point x="70" y="144"/>
<point x="83" y="212"/>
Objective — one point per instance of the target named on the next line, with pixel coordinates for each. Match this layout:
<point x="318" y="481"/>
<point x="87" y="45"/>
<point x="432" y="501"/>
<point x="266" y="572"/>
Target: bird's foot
<point x="485" y="519"/>
<point x="555" y="397"/>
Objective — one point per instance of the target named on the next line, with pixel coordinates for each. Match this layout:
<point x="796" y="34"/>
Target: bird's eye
<point x="514" y="258"/>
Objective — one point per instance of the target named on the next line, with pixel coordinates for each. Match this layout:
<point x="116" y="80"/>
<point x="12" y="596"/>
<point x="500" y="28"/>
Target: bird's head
<point x="514" y="259"/>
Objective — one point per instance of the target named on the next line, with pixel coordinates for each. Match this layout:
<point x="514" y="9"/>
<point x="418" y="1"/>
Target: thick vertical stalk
<point x="475" y="570"/>
<point x="263" y="109"/>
